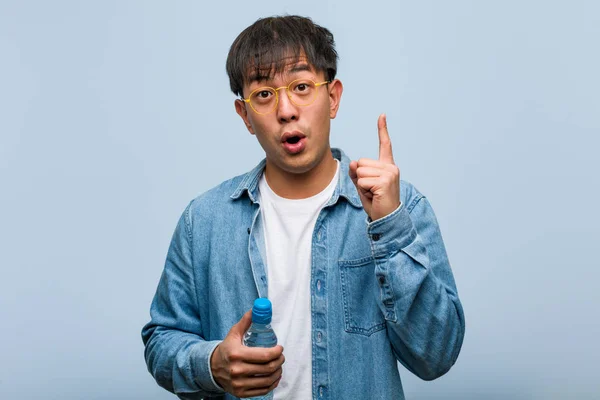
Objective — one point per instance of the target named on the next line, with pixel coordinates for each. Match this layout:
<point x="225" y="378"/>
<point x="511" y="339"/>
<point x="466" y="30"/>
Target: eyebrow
<point x="260" y="77"/>
<point x="300" y="67"/>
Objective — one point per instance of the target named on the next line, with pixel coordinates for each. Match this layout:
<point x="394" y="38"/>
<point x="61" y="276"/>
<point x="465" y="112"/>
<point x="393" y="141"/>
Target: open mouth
<point x="293" y="140"/>
<point x="292" y="137"/>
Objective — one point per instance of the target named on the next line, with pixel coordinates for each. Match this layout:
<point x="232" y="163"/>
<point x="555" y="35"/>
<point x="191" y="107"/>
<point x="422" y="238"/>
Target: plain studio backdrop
<point x="115" y="114"/>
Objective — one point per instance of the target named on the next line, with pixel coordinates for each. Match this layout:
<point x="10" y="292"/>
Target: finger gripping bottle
<point x="260" y="333"/>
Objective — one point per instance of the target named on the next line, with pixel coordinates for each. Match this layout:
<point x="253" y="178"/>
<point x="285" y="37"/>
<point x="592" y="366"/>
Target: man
<point x="350" y="256"/>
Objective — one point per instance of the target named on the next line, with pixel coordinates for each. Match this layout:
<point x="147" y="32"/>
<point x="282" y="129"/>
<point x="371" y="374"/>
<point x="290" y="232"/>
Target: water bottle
<point x="260" y="333"/>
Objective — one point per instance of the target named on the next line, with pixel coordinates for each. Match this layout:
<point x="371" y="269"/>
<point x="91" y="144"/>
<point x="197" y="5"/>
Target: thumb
<point x="242" y="325"/>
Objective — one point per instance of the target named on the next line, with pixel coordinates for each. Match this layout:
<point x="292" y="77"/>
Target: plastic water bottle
<point x="260" y="333"/>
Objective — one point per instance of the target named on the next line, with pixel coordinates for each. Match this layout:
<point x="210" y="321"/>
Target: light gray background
<point x="114" y="114"/>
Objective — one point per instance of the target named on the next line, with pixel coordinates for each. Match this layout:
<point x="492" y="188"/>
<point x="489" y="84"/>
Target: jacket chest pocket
<point x="361" y="311"/>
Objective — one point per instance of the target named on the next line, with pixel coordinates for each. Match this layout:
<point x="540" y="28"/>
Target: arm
<point x="416" y="289"/>
<point x="176" y="353"/>
<point x="418" y="297"/>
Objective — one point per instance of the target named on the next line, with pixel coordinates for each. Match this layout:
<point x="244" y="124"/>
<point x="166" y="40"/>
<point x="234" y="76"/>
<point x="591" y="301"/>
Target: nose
<point x="286" y="110"/>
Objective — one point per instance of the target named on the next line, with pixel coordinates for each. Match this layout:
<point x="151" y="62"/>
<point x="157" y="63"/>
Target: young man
<point x="351" y="257"/>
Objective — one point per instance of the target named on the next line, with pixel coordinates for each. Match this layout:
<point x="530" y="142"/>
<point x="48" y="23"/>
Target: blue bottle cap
<point x="262" y="311"/>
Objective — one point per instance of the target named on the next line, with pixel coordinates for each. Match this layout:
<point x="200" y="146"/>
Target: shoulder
<point x="216" y="199"/>
<point x="409" y="195"/>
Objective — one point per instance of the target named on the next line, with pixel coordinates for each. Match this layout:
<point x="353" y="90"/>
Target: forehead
<point x="288" y="66"/>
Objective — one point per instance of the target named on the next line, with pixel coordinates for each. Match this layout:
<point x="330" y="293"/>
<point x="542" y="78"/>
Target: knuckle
<point x="235" y="355"/>
<point x="234" y="371"/>
<point x="265" y="357"/>
<point x="272" y="366"/>
<point x="236" y="386"/>
<point x="275" y="384"/>
<point x="388" y="175"/>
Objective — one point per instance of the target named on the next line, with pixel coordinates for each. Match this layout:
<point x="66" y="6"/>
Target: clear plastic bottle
<point x="260" y="333"/>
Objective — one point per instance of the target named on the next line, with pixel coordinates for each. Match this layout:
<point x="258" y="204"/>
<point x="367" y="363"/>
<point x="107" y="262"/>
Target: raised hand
<point x="246" y="371"/>
<point x="378" y="181"/>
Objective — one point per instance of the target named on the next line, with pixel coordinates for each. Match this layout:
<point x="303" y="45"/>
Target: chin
<point x="303" y="166"/>
<point x="299" y="168"/>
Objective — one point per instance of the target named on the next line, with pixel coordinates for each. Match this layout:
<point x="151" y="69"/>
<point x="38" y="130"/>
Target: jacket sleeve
<point x="176" y="353"/>
<point x="416" y="289"/>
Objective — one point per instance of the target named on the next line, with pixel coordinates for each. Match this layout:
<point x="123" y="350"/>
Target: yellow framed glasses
<point x="301" y="92"/>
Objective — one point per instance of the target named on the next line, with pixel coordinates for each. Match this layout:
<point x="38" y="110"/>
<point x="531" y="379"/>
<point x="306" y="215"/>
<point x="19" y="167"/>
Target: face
<point x="278" y="132"/>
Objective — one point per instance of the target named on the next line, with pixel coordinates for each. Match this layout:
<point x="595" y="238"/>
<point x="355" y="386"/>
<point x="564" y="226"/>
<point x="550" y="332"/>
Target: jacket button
<point x="376" y="236"/>
<point x="381" y="280"/>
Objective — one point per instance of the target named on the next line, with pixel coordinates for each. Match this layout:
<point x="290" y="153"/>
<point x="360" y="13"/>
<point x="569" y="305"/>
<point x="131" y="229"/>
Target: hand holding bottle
<point x="246" y="371"/>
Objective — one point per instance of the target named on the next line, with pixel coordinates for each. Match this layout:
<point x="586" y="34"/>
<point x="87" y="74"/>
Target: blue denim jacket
<point x="381" y="292"/>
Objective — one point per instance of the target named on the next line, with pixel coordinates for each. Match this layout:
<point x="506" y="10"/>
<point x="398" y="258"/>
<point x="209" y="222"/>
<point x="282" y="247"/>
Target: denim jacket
<point x="381" y="291"/>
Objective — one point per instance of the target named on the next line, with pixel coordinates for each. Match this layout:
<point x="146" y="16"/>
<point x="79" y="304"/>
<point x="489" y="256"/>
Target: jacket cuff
<point x="391" y="233"/>
<point x="201" y="354"/>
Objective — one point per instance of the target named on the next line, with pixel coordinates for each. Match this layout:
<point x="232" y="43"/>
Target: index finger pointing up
<point x="385" y="144"/>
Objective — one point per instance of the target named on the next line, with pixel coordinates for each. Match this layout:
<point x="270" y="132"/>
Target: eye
<point x="263" y="94"/>
<point x="302" y="88"/>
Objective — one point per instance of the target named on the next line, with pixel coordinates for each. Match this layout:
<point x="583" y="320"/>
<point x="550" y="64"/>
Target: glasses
<point x="301" y="92"/>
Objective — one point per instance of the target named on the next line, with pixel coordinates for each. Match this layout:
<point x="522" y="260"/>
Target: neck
<point x="301" y="185"/>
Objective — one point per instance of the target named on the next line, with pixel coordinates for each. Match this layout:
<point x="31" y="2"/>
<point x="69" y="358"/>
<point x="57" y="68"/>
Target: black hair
<point x="265" y="48"/>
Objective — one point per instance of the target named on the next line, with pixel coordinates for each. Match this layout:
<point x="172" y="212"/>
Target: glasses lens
<point x="263" y="100"/>
<point x="302" y="91"/>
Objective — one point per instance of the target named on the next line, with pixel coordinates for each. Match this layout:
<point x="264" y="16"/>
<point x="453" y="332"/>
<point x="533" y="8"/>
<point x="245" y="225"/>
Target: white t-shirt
<point x="289" y="226"/>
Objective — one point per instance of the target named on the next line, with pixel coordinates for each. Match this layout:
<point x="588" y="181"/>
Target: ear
<point x="335" y="96"/>
<point x="240" y="108"/>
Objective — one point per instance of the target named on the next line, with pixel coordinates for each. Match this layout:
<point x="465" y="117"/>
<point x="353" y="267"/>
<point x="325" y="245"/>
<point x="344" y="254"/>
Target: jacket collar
<point x="344" y="188"/>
